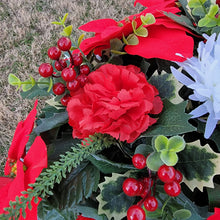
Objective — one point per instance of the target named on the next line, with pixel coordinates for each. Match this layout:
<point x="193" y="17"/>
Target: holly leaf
<point x="164" y="84"/>
<point x="113" y="202"/>
<point x="106" y="166"/>
<point x="172" y="121"/>
<point x="46" y="124"/>
<point x="198" y="165"/>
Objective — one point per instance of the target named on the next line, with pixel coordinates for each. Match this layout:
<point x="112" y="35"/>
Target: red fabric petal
<point x="164" y="43"/>
<point x="157" y="105"/>
<point x="216" y="215"/>
<point x="35" y="160"/>
<point x="98" y="25"/>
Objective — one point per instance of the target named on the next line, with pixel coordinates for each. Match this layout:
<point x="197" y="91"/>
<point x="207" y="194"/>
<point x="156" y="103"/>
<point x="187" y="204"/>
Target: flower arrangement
<point x="130" y="128"/>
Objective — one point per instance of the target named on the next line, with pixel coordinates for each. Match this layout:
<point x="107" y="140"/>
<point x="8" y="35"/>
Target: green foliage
<point x="106" y="166"/>
<point x="165" y="151"/>
<point x="198" y="165"/>
<point x="210" y="19"/>
<point x="164" y="85"/>
<point x="48" y="123"/>
<point x="67" y="31"/>
<point x="62" y="20"/>
<point x="56" y="172"/>
<point x="172" y="121"/>
<point x="79" y="184"/>
<point x="113" y="202"/>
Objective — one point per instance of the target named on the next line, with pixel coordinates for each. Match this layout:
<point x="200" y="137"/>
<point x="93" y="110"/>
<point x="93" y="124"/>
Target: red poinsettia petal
<point x="98" y="25"/>
<point x="164" y="43"/>
<point x="35" y="161"/>
<point x="5" y="183"/>
<point x="31" y="214"/>
<point x="149" y="3"/>
<point x="80" y="217"/>
<point x="16" y="150"/>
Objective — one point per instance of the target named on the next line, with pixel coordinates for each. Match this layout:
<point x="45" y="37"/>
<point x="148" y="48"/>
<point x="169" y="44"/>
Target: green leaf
<point x="154" y="161"/>
<point x="80" y="39"/>
<point x="56" y="22"/>
<point x="170" y="158"/>
<point x="113" y="202"/>
<point x="67" y="31"/>
<point x="176" y="143"/>
<point x="47" y="211"/>
<point x="46" y="124"/>
<point x="90" y="212"/>
<point x="64" y="18"/>
<point x="132" y="39"/>
<point x="160" y="143"/>
<point x="79" y="184"/>
<point x="172" y="121"/>
<point x="14" y="80"/>
<point x="106" y="166"/>
<point x="34" y="92"/>
<point x="164" y="85"/>
<point x="198" y="164"/>
<point x="214" y="196"/>
<point x="26" y="87"/>
<point x="141" y="32"/>
<point x="148" y="19"/>
<point x="199" y="11"/>
<point x="182" y="214"/>
<point x="43" y="82"/>
<point x="143" y="149"/>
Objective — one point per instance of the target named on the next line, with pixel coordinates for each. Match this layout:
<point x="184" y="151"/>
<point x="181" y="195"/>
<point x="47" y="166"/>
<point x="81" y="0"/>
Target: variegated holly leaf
<point x="198" y="164"/>
<point x="113" y="202"/>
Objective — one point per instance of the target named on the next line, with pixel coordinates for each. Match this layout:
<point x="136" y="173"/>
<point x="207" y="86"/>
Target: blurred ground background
<point x="26" y="33"/>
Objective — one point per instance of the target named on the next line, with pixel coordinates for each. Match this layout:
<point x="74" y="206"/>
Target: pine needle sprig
<point x="54" y="174"/>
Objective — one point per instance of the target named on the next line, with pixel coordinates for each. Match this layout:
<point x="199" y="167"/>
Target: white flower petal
<point x="199" y="111"/>
<point x="210" y="126"/>
<point x="181" y="77"/>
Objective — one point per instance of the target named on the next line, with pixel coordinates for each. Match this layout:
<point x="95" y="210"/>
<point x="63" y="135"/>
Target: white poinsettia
<point x="204" y="81"/>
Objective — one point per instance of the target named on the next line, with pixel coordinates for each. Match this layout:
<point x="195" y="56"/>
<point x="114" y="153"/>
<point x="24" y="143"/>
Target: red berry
<point x="64" y="43"/>
<point x="139" y="161"/>
<point x="84" y="69"/>
<point x="83" y="79"/>
<point x="65" y="99"/>
<point x="136" y="213"/>
<point x="54" y="53"/>
<point x="68" y="74"/>
<point x="45" y="69"/>
<point x="151" y="203"/>
<point x="131" y="187"/>
<point x="172" y="188"/>
<point x="58" y="88"/>
<point x="60" y="64"/>
<point x="73" y="85"/>
<point x="77" y="59"/>
<point x="166" y="173"/>
<point x="178" y="176"/>
<point x="147" y="183"/>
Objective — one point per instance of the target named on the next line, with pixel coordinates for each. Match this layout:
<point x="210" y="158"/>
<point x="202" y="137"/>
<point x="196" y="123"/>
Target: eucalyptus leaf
<point x="170" y="158"/>
<point x="154" y="161"/>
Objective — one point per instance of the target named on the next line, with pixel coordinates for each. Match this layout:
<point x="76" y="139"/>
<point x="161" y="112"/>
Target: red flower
<point x="216" y="215"/>
<point x="117" y="100"/>
<point x="165" y="37"/>
<point x="80" y="217"/>
<point x="25" y="168"/>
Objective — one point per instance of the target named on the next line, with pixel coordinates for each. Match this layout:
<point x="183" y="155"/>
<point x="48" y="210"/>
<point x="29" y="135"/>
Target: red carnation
<point x="165" y="37"/>
<point x="117" y="100"/>
<point x="25" y="168"/>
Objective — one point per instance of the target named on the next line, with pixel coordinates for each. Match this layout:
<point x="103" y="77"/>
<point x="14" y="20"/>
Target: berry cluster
<point x="72" y="76"/>
<point x="142" y="187"/>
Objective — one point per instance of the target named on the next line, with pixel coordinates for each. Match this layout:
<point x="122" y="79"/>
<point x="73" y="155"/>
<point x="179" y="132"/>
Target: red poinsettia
<point x="117" y="100"/>
<point x="80" y="217"/>
<point x="23" y="168"/>
<point x="165" y="37"/>
<point x="216" y="215"/>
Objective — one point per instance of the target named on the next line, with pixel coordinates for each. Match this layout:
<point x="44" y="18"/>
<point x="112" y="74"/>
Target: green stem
<point x="165" y="203"/>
